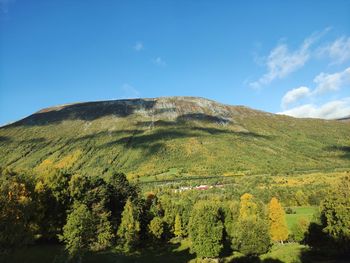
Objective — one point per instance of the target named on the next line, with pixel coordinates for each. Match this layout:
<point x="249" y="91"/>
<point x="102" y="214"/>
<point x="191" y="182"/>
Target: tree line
<point x="95" y="213"/>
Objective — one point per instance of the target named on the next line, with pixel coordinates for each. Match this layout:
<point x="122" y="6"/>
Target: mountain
<point x="344" y="119"/>
<point x="184" y="134"/>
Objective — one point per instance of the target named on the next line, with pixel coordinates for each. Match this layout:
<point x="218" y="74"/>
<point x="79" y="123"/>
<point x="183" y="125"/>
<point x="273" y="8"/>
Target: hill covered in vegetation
<point x="188" y="135"/>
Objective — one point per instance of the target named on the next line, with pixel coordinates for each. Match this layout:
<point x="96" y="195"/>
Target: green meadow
<point x="300" y="212"/>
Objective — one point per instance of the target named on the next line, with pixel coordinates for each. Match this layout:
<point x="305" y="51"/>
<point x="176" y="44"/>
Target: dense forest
<point x="95" y="213"/>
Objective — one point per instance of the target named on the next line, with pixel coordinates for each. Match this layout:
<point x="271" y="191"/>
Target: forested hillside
<point x="188" y="135"/>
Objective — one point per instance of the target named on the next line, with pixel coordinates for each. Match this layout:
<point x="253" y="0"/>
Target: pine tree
<point x="104" y="231"/>
<point x="178" y="226"/>
<point x="156" y="227"/>
<point x="277" y="221"/>
<point x="129" y="228"/>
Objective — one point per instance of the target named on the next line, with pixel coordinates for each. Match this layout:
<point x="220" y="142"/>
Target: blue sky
<point x="277" y="56"/>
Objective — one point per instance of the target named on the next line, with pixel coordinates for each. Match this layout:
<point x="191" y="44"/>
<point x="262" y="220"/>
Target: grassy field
<point x="302" y="211"/>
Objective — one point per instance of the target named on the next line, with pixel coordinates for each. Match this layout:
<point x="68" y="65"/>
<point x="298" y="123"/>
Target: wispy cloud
<point x="159" y="61"/>
<point x="294" y="95"/>
<point x="331" y="110"/>
<point x="332" y="82"/>
<point x="129" y="91"/>
<point x="282" y="61"/>
<point x="338" y="51"/>
<point x="138" y="46"/>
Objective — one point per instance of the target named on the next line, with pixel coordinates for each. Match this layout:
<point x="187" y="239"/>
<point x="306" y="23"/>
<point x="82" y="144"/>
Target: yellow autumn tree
<point x="248" y="208"/>
<point x="277" y="221"/>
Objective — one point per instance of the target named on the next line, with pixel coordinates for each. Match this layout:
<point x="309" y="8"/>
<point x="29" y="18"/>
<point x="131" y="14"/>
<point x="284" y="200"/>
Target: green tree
<point x="104" y="231"/>
<point x="53" y="201"/>
<point x="118" y="190"/>
<point x="277" y="221"/>
<point x="86" y="230"/>
<point x="206" y="230"/>
<point x="156" y="227"/>
<point x="301" y="198"/>
<point x="79" y="230"/>
<point x="231" y="213"/>
<point x="335" y="215"/>
<point x="252" y="237"/>
<point x="299" y="229"/>
<point x="17" y="210"/>
<point x="129" y="228"/>
<point x="178" y="226"/>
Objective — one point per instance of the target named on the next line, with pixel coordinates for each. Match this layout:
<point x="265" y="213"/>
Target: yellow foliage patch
<point x="66" y="162"/>
<point x="313" y="178"/>
<point x="69" y="160"/>
<point x="45" y="165"/>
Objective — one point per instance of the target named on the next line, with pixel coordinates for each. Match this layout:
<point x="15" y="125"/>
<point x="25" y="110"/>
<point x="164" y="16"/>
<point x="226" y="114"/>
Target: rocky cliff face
<point x="164" y="108"/>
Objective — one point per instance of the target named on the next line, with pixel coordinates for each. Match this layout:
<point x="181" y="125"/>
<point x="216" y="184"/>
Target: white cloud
<point x="138" y="46"/>
<point x="331" y="110"/>
<point x="281" y="61"/>
<point x="129" y="91"/>
<point x="294" y="95"/>
<point x="338" y="51"/>
<point x="331" y="82"/>
<point x="324" y="83"/>
<point x="159" y="61"/>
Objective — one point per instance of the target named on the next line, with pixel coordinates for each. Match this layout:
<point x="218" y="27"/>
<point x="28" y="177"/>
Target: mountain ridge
<point x="151" y="102"/>
<point x="155" y="106"/>
<point x="189" y="134"/>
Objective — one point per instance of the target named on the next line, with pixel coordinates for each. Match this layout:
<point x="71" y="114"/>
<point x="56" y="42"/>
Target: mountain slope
<point x="150" y="136"/>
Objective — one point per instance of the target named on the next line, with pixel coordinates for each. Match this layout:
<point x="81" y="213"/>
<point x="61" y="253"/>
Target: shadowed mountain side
<point x="88" y="111"/>
<point x="143" y="140"/>
<point x="345" y="150"/>
<point x="204" y="118"/>
<point x="187" y="118"/>
<point x="4" y="139"/>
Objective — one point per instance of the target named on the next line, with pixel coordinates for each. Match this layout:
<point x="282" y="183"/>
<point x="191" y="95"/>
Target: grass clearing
<point x="287" y="253"/>
<point x="302" y="211"/>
